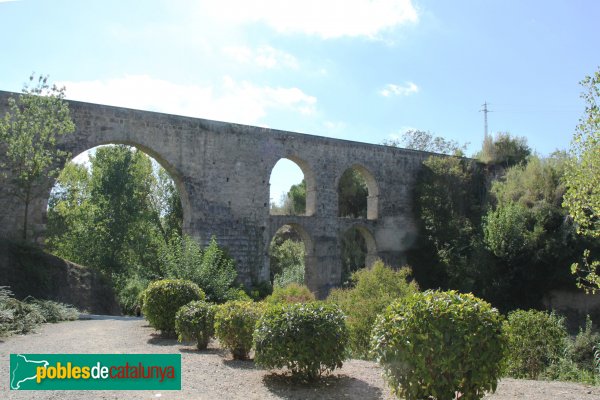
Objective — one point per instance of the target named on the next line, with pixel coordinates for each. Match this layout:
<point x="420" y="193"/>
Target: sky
<point x="351" y="69"/>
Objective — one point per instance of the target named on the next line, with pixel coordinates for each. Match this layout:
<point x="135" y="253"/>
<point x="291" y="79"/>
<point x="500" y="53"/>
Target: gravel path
<point x="212" y="374"/>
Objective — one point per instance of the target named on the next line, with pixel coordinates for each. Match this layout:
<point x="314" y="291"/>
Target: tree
<point x="582" y="198"/>
<point x="211" y="268"/>
<point x="528" y="233"/>
<point x="425" y="141"/>
<point x="70" y="215"/>
<point x="448" y="200"/>
<point x="125" y="225"/>
<point x="504" y="150"/>
<point x="28" y="133"/>
<point x="297" y="196"/>
<point x="115" y="216"/>
<point x="167" y="212"/>
<point x="293" y="202"/>
<point x="286" y="256"/>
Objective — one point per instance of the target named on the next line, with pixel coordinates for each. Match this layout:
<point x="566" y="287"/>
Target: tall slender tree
<point x="28" y="134"/>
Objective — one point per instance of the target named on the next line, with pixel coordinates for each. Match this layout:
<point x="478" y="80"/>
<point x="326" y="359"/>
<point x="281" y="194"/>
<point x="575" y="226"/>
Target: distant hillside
<point x="29" y="271"/>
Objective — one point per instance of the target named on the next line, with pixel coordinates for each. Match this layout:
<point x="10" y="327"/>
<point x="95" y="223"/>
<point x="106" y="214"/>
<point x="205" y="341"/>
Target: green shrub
<point x="196" y="321"/>
<point x="53" y="311"/>
<point x="287" y="261"/>
<point x="433" y="344"/>
<point x="162" y="299"/>
<point x="308" y="339"/>
<point x="129" y="290"/>
<point x="259" y="290"/>
<point x="536" y="339"/>
<point x="292" y="293"/>
<point x="234" y="325"/>
<point x="581" y="350"/>
<point x="374" y="289"/>
<point x="289" y="275"/>
<point x="237" y="294"/>
<point x="567" y="370"/>
<point x="6" y="311"/>
<point x="211" y="268"/>
<point x="17" y="317"/>
<point x="22" y="318"/>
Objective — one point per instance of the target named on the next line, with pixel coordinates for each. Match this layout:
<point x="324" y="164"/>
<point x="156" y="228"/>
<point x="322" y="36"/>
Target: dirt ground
<point x="212" y="374"/>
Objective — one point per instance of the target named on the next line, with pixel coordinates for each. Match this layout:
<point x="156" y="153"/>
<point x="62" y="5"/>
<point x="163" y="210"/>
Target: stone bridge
<point x="222" y="172"/>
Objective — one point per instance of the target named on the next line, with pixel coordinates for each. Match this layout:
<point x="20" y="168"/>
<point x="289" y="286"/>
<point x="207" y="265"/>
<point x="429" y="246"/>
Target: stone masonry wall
<point x="222" y="171"/>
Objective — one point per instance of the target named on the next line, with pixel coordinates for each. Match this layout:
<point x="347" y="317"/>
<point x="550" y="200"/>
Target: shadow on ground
<point x="158" y="340"/>
<point x="215" y="351"/>
<point x="240" y="364"/>
<point x="87" y="317"/>
<point x="329" y="387"/>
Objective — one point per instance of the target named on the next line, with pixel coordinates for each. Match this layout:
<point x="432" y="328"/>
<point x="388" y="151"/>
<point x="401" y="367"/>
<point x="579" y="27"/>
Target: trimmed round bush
<point x="433" y="344"/>
<point x="308" y="339"/>
<point x="234" y="325"/>
<point x="196" y="321"/>
<point x="162" y="299"/>
<point x="292" y="293"/>
<point x="536" y="339"/>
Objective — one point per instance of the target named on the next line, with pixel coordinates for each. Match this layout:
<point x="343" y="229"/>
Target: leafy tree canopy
<point x="582" y="198"/>
<point x="425" y="141"/>
<point x="504" y="150"/>
<point x="28" y="133"/>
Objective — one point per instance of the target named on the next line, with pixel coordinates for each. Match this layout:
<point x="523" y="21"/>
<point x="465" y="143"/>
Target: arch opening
<point x="358" y="250"/>
<point x="290" y="253"/>
<point x="292" y="188"/>
<point x="358" y="194"/>
<point x="113" y="208"/>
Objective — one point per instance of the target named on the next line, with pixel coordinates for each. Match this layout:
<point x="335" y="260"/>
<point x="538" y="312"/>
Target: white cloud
<point x="327" y="19"/>
<point x="231" y="101"/>
<point x="263" y="56"/>
<point x="399" y="90"/>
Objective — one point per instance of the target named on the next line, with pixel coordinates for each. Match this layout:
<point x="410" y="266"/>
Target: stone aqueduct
<point x="222" y="171"/>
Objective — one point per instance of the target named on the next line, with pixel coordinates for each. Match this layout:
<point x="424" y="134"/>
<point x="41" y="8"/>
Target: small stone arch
<point x="309" y="252"/>
<point x="372" y="188"/>
<point x="309" y="178"/>
<point x="371" y="244"/>
<point x="363" y="244"/>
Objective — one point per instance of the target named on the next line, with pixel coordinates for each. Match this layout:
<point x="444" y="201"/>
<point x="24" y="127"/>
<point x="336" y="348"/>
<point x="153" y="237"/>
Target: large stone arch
<point x="173" y="172"/>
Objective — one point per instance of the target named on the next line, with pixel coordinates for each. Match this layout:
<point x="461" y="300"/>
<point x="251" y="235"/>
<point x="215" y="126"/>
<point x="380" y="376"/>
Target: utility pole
<point x="485" y="113"/>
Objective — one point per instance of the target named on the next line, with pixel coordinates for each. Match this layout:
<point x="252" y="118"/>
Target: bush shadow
<point x="328" y="387"/>
<point x="101" y="317"/>
<point x="158" y="340"/>
<point x="240" y="364"/>
<point x="212" y="351"/>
